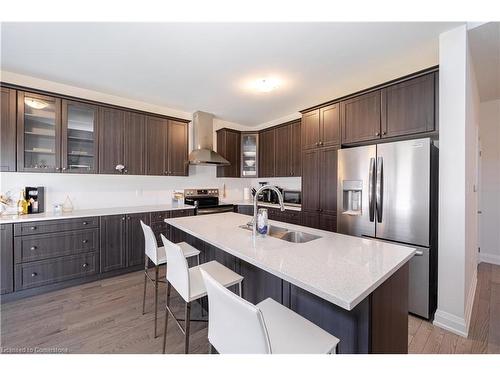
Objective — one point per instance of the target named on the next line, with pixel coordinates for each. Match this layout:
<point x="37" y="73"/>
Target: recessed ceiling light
<point x="35" y="103"/>
<point x="266" y="84"/>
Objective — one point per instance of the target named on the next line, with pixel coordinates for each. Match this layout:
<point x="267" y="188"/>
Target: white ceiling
<point x="203" y="66"/>
<point x="485" y="50"/>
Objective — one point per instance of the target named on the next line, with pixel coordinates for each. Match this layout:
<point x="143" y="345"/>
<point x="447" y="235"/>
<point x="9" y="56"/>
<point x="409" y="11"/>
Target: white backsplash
<point x="102" y="191"/>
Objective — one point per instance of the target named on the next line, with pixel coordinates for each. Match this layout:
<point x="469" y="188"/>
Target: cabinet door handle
<point x="125" y="171"/>
<point x="128" y="217"/>
<point x="85" y="241"/>
<point x="165" y="173"/>
<point x="84" y="223"/>
<point x="321" y="143"/>
<point x="34" y="274"/>
<point x="33" y="228"/>
<point x="384" y="132"/>
<point x="84" y="265"/>
<point x="64" y="168"/>
<point x="377" y="134"/>
<point x="123" y="218"/>
<point x="32" y="248"/>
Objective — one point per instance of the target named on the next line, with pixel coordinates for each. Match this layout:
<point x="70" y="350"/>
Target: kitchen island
<point x="355" y="288"/>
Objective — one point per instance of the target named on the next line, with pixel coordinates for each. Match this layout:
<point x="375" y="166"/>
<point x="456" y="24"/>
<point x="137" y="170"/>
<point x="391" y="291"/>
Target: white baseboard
<point x="454" y="323"/>
<point x="450" y="323"/>
<point x="470" y="299"/>
<point x="489" y="258"/>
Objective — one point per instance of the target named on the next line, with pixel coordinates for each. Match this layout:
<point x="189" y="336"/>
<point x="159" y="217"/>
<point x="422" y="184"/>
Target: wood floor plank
<point x="105" y="316"/>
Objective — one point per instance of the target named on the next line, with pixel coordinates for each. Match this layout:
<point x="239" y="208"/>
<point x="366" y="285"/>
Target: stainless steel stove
<point x="206" y="201"/>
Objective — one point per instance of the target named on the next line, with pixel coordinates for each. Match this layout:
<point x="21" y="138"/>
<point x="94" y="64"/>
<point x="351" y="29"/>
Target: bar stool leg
<point x="145" y="282"/>
<point x="156" y="298"/>
<point x="187" y="321"/>
<point x="166" y="318"/>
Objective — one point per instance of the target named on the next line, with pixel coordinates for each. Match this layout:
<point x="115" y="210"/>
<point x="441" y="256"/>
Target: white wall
<point x="489" y="132"/>
<point x="101" y="191"/>
<point x="458" y="102"/>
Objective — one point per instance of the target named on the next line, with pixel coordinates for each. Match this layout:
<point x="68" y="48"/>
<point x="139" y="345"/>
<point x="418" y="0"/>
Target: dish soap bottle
<point x="22" y="204"/>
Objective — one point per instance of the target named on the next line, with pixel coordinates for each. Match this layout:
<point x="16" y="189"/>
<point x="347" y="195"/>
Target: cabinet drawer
<point x="158" y="217"/>
<point x="29" y="275"/>
<point x="181" y="213"/>
<point x="44" y="246"/>
<point x="38" y="227"/>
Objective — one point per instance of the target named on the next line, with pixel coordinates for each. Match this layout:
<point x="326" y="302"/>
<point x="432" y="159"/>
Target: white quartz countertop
<point x="9" y="219"/>
<point x="338" y="268"/>
<point x="244" y="202"/>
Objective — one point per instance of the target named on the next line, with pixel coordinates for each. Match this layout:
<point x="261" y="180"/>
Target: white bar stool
<point x="158" y="256"/>
<point x="236" y="326"/>
<point x="189" y="284"/>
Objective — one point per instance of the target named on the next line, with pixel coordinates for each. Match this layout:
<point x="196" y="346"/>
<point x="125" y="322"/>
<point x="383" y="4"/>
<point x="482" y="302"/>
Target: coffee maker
<point x="36" y="198"/>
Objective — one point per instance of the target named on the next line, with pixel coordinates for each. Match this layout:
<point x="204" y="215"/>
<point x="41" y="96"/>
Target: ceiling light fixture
<point x="266" y="84"/>
<point x="35" y="103"/>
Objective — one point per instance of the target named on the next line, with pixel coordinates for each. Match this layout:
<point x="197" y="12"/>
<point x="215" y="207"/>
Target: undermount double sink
<point x="286" y="234"/>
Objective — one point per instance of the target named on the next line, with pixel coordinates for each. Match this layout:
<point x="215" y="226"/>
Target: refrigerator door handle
<point x="379" y="189"/>
<point x="371" y="186"/>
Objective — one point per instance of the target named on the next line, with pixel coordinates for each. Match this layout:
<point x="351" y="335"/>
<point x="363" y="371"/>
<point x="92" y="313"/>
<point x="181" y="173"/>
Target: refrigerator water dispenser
<point x="352" y="197"/>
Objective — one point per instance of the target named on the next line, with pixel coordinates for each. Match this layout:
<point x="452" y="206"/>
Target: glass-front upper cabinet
<point x="249" y="154"/>
<point x="79" y="137"/>
<point x="39" y="127"/>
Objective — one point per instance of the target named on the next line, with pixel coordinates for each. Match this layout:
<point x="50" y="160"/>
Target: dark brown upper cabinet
<point x="79" y="137"/>
<point x="8" y="131"/>
<point x="134" y="143"/>
<point x="38" y="133"/>
<point x="121" y="142"/>
<point x="360" y="118"/>
<point x="321" y="127"/>
<point x="288" y="150"/>
<point x="408" y="107"/>
<point x="229" y="147"/>
<point x="267" y="153"/>
<point x="329" y="119"/>
<point x="111" y="139"/>
<point x="156" y="146"/>
<point x="177" y="147"/>
<point x="166" y="147"/>
<point x="283" y="151"/>
<point x="296" y="158"/>
<point x="310" y="129"/>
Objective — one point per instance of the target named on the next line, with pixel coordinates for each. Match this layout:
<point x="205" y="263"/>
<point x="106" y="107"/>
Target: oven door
<point x="214" y="210"/>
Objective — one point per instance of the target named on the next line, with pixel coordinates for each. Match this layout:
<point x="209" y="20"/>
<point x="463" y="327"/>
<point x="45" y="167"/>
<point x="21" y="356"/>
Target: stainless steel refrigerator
<point x="389" y="192"/>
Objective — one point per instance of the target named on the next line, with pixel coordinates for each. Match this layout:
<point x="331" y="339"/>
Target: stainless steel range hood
<point x="203" y="138"/>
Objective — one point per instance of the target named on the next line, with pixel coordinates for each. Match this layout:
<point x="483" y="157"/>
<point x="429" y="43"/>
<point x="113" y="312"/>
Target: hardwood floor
<point x="484" y="333"/>
<point x="105" y="317"/>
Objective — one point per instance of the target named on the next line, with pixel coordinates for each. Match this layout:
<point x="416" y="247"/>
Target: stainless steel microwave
<point x="292" y="197"/>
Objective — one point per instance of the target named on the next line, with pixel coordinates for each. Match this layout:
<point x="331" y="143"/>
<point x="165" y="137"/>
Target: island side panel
<point x="389" y="315"/>
<point x="352" y="327"/>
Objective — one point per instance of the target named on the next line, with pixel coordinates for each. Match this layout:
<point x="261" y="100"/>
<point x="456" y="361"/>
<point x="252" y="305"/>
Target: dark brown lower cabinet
<point x="6" y="259"/>
<point x="135" y="238"/>
<point x="49" y="271"/>
<point x="113" y="245"/>
<point x="258" y="285"/>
